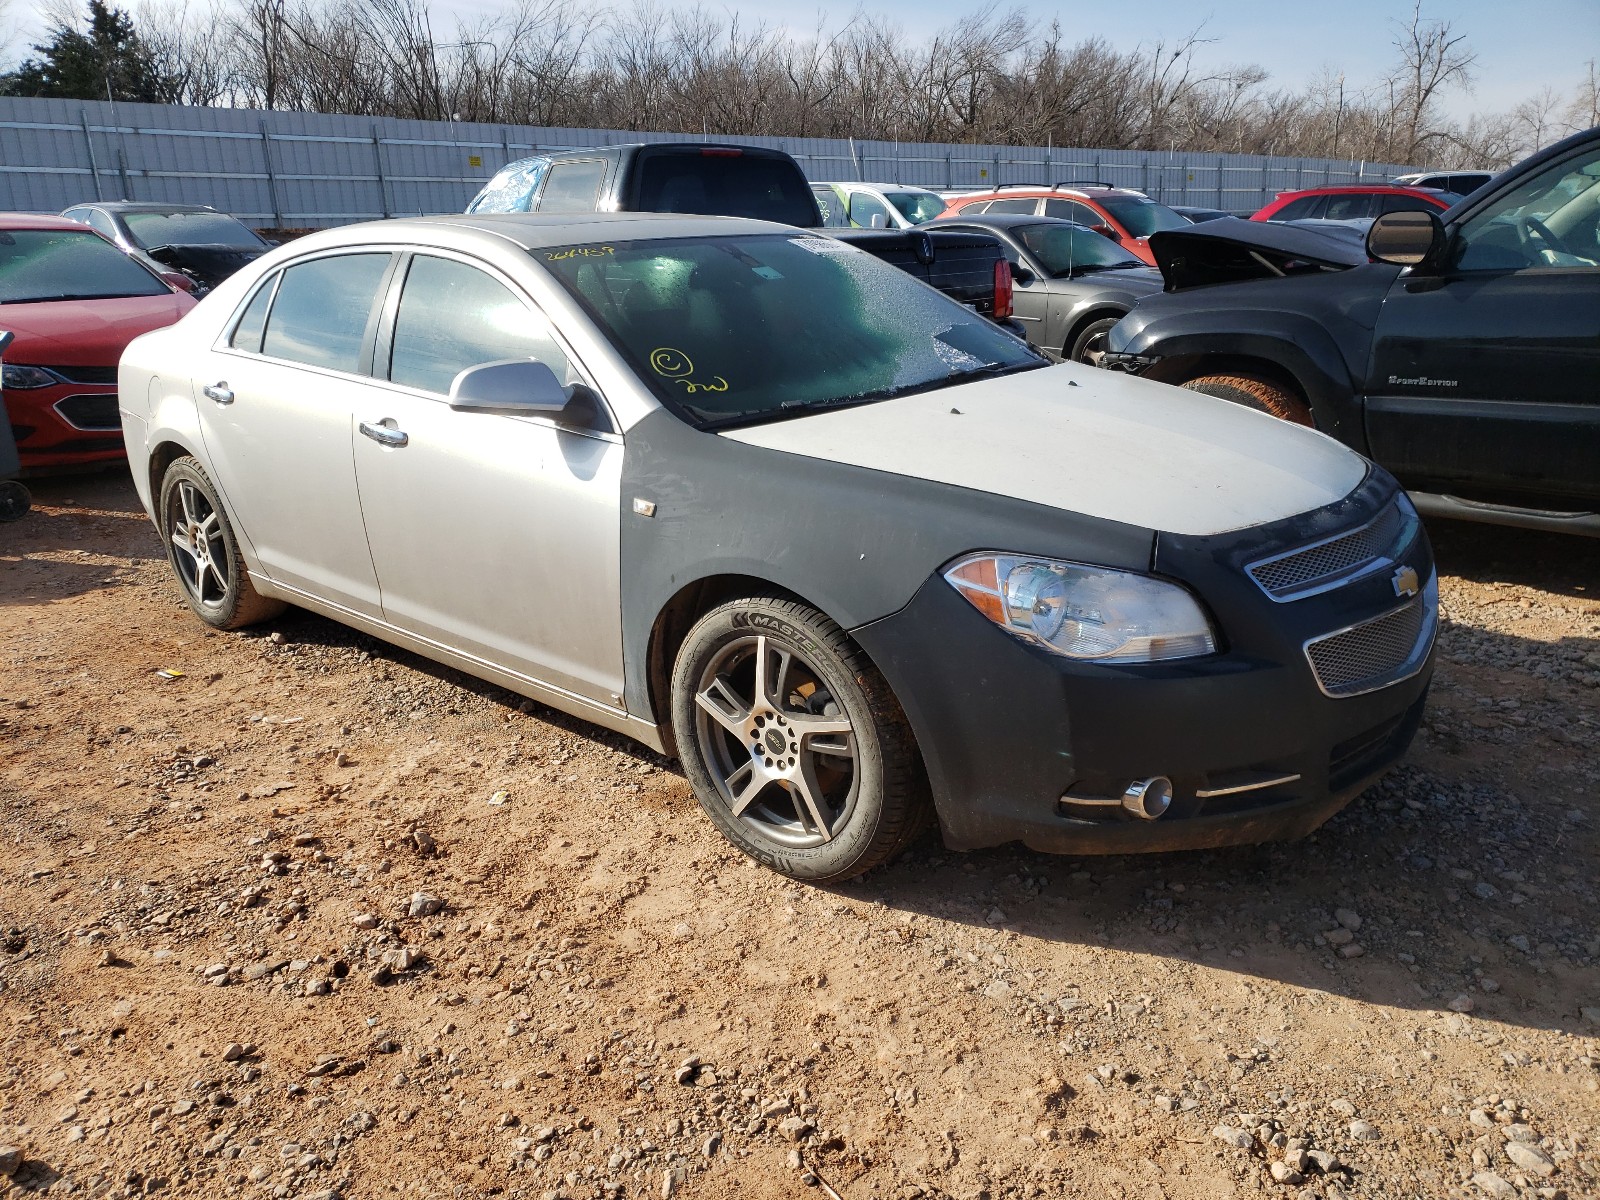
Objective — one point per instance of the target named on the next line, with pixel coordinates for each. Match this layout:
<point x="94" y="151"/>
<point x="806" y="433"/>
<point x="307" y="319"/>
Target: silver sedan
<point x="752" y="497"/>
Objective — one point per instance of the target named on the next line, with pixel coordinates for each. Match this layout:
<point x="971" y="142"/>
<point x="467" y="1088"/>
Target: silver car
<point x="750" y="496"/>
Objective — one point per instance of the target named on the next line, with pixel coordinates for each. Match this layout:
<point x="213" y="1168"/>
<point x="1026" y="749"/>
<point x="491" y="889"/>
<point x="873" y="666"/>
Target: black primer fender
<point x="856" y="543"/>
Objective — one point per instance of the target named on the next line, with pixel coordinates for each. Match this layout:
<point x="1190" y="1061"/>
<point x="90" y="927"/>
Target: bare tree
<point x="1434" y="58"/>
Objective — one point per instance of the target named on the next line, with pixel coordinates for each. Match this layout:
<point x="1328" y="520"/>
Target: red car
<point x="74" y="302"/>
<point x="1123" y="215"/>
<point x="1354" y="203"/>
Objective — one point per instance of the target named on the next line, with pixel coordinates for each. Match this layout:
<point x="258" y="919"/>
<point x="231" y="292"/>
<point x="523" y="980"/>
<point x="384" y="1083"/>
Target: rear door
<point x="495" y="536"/>
<point x="277" y="399"/>
<point x="1485" y="375"/>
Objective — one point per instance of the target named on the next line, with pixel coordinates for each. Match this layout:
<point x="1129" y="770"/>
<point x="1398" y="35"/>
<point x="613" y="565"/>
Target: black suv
<point x="1465" y="357"/>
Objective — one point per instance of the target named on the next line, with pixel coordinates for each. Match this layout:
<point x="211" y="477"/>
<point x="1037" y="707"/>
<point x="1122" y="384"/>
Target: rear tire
<point x="1091" y="339"/>
<point x="1271" y="398"/>
<point x="204" y="553"/>
<point x="793" y="742"/>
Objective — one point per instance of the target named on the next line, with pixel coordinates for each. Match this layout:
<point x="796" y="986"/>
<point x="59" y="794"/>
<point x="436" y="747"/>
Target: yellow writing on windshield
<point x="579" y="252"/>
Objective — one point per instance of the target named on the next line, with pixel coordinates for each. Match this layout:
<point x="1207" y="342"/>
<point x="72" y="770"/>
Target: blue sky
<point x="1521" y="48"/>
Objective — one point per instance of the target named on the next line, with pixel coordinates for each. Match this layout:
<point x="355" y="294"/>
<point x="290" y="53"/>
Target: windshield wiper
<point x="75" y="296"/>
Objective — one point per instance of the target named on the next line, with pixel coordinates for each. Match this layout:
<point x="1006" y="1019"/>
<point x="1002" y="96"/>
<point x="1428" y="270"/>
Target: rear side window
<point x="1012" y="206"/>
<point x="453" y="316"/>
<point x="320" y="315"/>
<point x="1407" y="204"/>
<point x="1348" y="208"/>
<point x="247" y="333"/>
<point x="573" y="186"/>
<point x="1303" y="209"/>
<point x="725" y="185"/>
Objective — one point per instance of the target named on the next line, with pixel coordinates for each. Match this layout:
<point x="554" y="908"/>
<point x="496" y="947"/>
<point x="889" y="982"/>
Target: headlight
<point x="20" y="378"/>
<point x="1094" y="614"/>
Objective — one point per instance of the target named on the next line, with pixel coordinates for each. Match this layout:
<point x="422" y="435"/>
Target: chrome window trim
<point x="1331" y="582"/>
<point x="1407" y="669"/>
<point x="223" y="343"/>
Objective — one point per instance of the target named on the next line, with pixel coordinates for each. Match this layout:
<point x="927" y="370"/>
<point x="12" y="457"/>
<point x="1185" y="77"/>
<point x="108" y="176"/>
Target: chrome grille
<point x="1375" y="653"/>
<point x="1327" y="563"/>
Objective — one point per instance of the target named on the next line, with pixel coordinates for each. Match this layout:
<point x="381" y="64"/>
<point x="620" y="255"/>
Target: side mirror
<point x="178" y="280"/>
<point x="1021" y="274"/>
<point x="1406" y="239"/>
<point x="1107" y="231"/>
<point x="515" y="387"/>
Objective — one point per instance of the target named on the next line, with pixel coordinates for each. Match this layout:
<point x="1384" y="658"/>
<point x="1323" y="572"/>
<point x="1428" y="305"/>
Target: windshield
<point x="724" y="183"/>
<point x="1140" y="215"/>
<point x="916" y="207"/>
<point x="60" y="264"/>
<point x="188" y="229"/>
<point x="751" y="328"/>
<point x="1064" y="248"/>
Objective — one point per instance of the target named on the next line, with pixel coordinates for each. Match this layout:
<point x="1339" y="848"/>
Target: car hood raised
<point x="1228" y="249"/>
<point x="1093" y="442"/>
<point x="86" y="332"/>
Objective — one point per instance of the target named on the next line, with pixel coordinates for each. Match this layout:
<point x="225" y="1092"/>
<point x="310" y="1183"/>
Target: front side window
<point x="751" y="328"/>
<point x="187" y="229"/>
<point x="321" y="311"/>
<point x="1071" y="210"/>
<point x="1141" y="216"/>
<point x="868" y="212"/>
<point x="1304" y="208"/>
<point x="67" y="264"/>
<point x="453" y="316"/>
<point x="573" y="186"/>
<point x="1065" y="250"/>
<point x="916" y="207"/>
<point x="102" y="224"/>
<point x="1551" y="219"/>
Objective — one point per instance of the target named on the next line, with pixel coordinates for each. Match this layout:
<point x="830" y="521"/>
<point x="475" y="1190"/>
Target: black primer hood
<point x="1229" y="249"/>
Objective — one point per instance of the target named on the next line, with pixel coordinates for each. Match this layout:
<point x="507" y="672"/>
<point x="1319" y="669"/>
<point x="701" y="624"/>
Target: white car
<point x="754" y="497"/>
<point x="876" y="205"/>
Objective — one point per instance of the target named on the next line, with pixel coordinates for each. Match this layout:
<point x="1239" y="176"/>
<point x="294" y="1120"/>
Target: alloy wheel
<point x="202" y="559"/>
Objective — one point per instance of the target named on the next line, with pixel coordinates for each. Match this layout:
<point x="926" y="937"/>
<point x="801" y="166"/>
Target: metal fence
<point x="290" y="170"/>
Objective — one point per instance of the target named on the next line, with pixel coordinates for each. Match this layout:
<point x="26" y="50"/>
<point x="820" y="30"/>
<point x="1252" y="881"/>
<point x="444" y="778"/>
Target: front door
<point x="495" y="536"/>
<point x="276" y="402"/>
<point x="1485" y="375"/>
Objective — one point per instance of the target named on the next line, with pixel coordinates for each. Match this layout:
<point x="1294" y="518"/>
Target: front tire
<point x="1090" y="343"/>
<point x="1253" y="392"/>
<point x="793" y="742"/>
<point x="204" y="553"/>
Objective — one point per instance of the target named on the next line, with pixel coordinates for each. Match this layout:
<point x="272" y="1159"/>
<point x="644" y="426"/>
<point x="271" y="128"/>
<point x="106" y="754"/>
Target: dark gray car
<point x="1072" y="284"/>
<point x="194" y="239"/>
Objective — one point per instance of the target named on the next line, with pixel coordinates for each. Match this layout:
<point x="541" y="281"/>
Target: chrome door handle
<point x="219" y="392"/>
<point x="382" y="434"/>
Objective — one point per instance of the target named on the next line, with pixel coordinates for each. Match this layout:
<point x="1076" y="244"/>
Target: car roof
<point x="20" y="220"/>
<point x="1004" y="220"/>
<point x="145" y="206"/>
<point x="1381" y="189"/>
<point x="1025" y="190"/>
<point x="538" y="230"/>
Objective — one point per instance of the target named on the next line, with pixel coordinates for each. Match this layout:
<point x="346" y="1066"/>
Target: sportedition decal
<point x="1421" y="381"/>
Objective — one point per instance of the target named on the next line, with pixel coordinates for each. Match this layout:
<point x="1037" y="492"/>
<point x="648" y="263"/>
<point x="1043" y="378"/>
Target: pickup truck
<point x="741" y="181"/>
<point x="1460" y="350"/>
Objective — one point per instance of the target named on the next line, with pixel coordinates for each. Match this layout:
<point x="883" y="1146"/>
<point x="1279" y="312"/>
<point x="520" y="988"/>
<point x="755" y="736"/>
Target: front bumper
<point x="1011" y="733"/>
<point x="67" y="424"/>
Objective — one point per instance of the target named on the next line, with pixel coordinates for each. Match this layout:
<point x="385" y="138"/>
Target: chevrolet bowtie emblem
<point x="1405" y="582"/>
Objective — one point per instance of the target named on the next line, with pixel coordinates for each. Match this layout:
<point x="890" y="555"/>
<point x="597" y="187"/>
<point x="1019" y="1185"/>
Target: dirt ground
<point x="318" y="918"/>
